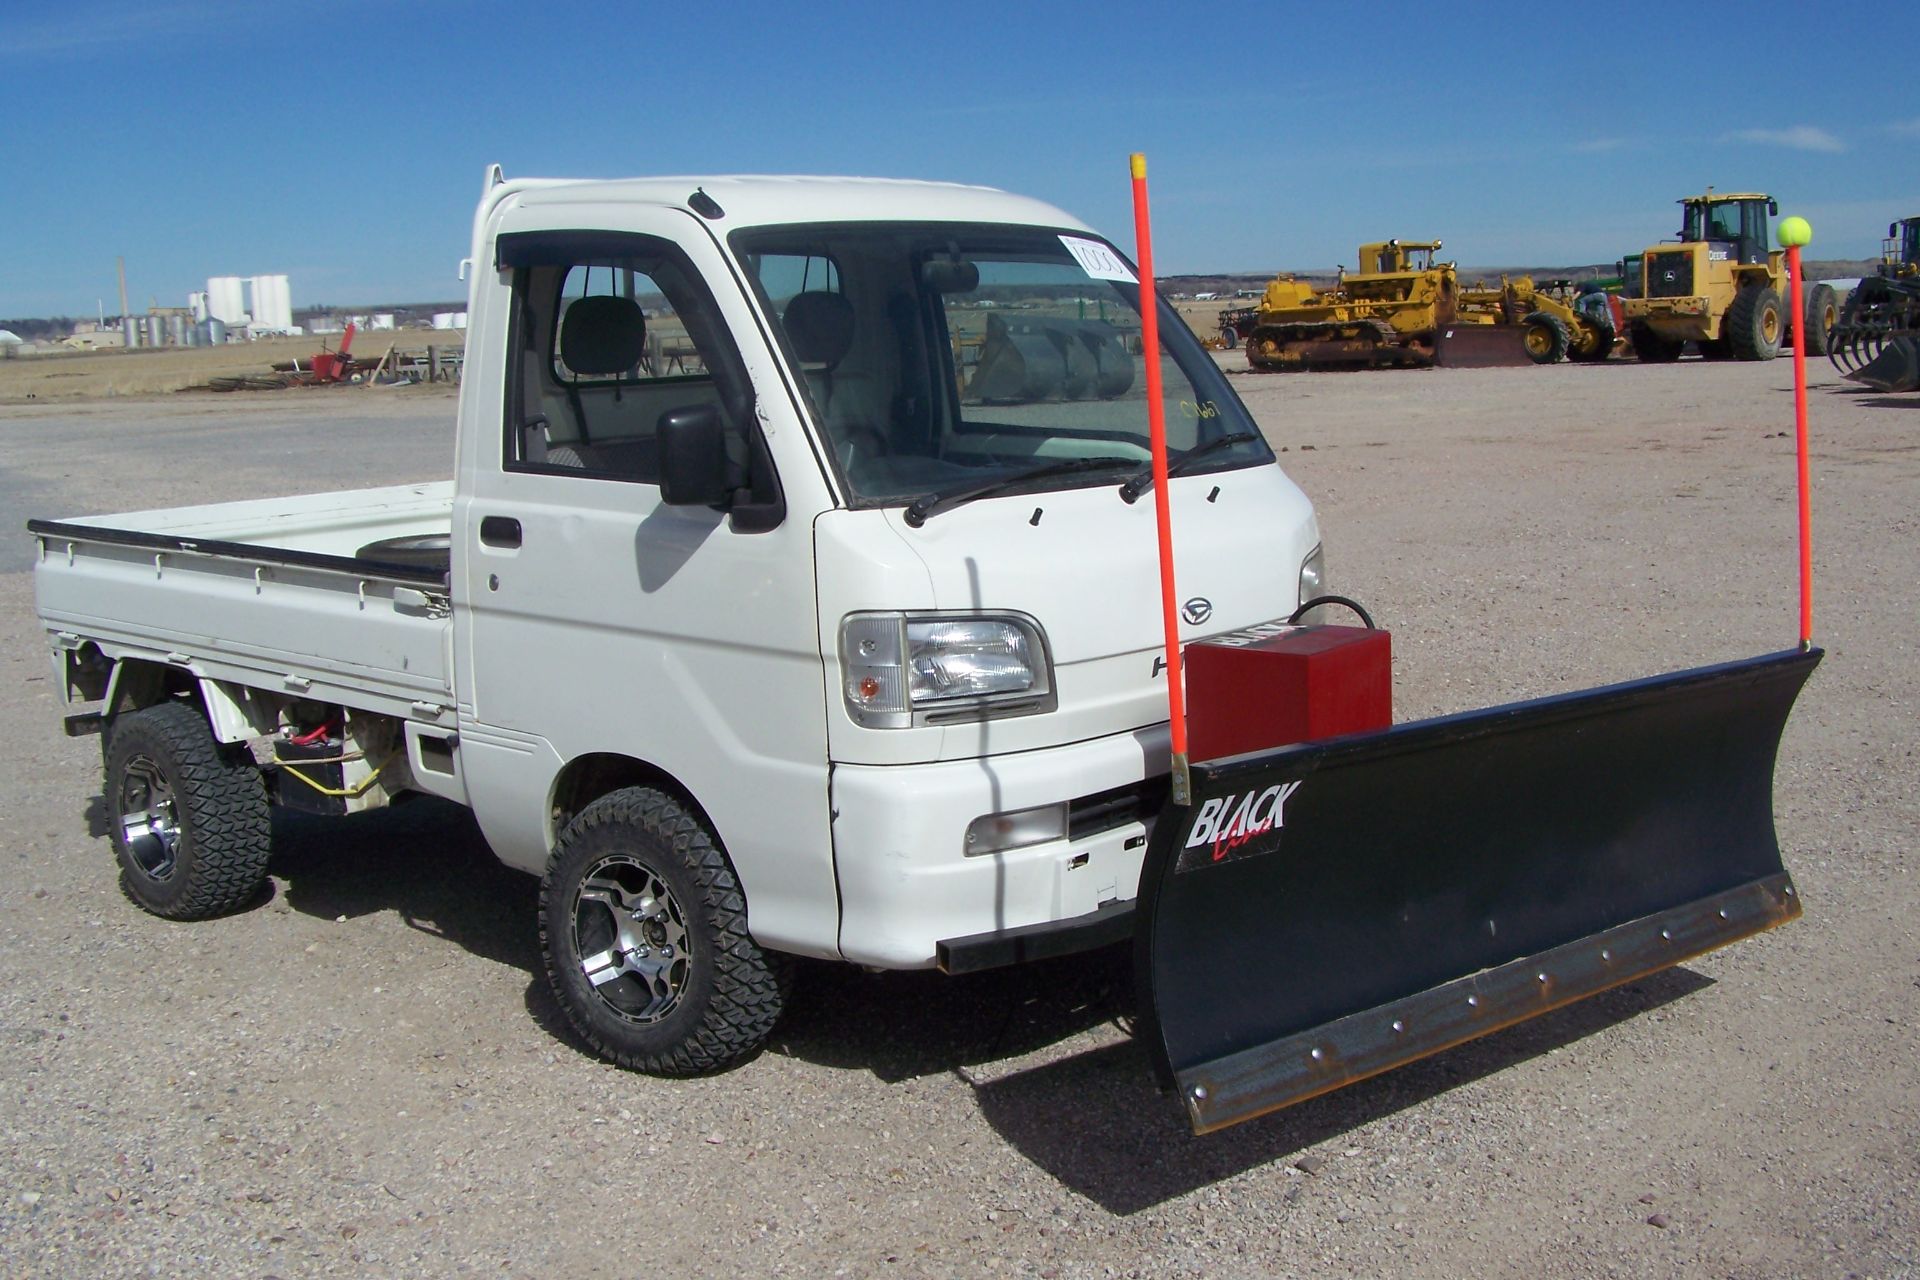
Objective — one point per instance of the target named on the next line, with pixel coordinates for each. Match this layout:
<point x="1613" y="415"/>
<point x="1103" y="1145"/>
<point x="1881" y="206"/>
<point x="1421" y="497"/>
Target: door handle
<point x="500" y="531"/>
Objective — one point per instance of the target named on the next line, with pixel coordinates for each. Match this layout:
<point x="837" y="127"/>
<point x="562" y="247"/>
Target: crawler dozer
<point x="1411" y="311"/>
<point x="1877" y="338"/>
<point x="1721" y="287"/>
<point x="1397" y="311"/>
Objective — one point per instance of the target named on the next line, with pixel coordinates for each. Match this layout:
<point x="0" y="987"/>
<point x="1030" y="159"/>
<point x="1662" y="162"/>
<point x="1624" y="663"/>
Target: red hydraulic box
<point x="1266" y="687"/>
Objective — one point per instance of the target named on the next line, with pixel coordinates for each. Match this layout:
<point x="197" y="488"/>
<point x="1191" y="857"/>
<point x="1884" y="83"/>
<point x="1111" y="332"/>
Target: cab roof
<point x="757" y="200"/>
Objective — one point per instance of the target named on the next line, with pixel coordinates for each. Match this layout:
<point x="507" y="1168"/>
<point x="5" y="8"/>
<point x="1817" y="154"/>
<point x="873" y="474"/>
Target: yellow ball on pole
<point x="1795" y="232"/>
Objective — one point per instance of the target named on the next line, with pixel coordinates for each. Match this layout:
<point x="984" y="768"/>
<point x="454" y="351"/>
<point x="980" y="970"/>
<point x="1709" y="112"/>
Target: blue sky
<point x="343" y="143"/>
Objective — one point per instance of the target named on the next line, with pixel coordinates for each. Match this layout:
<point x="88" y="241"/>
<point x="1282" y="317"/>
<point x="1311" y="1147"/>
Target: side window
<point x="609" y="333"/>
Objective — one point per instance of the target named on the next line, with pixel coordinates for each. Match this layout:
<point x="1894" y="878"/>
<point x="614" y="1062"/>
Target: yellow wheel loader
<point x="1721" y="286"/>
<point x="1877" y="338"/>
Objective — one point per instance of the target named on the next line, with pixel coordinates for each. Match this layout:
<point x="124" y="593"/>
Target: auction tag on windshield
<point x="1097" y="260"/>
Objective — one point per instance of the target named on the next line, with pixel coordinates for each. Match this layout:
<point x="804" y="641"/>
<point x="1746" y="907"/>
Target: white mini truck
<point x="791" y="596"/>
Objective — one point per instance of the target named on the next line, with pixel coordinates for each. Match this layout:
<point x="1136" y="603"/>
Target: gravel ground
<point x="364" y="1075"/>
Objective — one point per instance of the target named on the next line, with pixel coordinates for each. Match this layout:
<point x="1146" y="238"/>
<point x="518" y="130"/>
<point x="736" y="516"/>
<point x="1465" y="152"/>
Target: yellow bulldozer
<point x="1721" y="286"/>
<point x="1405" y="308"/>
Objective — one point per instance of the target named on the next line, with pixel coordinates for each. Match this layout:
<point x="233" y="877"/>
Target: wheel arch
<point x="138" y="683"/>
<point x="586" y="778"/>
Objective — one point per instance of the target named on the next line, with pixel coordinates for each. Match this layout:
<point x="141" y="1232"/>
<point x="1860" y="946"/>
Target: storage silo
<point x="272" y="302"/>
<point x="227" y="299"/>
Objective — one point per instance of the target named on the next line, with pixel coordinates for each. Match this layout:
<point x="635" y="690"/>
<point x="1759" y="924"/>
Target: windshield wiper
<point x="1142" y="482"/>
<point x="933" y="504"/>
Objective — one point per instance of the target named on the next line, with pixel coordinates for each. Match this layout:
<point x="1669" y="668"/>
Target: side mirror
<point x="1893" y="230"/>
<point x="1773" y="208"/>
<point x="693" y="457"/>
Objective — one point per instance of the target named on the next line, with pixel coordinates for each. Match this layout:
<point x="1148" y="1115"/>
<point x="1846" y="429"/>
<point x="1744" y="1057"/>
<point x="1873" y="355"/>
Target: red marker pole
<point x="1162" y="512"/>
<point x="1794" y="232"/>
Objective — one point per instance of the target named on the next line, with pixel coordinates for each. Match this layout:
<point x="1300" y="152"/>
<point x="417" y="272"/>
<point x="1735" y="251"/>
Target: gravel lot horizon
<point x="363" y="1074"/>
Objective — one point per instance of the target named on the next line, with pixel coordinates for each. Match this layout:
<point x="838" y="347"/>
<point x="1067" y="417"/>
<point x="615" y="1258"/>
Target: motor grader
<point x="1406" y="309"/>
<point x="1721" y="286"/>
<point x="1556" y="321"/>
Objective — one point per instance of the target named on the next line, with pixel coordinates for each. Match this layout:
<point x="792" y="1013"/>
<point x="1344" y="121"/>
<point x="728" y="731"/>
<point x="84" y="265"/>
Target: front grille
<point x="1105" y="810"/>
<point x="1670" y="275"/>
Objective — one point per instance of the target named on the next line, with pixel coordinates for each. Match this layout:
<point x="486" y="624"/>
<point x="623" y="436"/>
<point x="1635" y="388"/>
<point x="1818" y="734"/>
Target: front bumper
<point x="906" y="886"/>
<point x="1657" y="309"/>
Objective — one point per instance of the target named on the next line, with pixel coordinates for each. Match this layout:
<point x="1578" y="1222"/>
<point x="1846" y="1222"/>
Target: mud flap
<point x="1896" y="368"/>
<point x="1325" y="912"/>
<point x="1480" y="346"/>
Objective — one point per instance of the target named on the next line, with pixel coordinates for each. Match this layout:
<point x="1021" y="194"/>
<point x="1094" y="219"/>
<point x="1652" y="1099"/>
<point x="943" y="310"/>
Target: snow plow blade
<point x="1324" y="912"/>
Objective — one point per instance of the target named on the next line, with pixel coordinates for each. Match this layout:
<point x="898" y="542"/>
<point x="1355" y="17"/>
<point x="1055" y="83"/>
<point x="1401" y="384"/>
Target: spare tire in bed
<point x="412" y="551"/>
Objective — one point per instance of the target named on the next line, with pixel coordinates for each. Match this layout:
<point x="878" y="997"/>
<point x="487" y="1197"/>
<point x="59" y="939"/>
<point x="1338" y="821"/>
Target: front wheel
<point x="1753" y="323"/>
<point x="1546" y="338"/>
<point x="191" y="829"/>
<point x="644" y="930"/>
<point x="1650" y="347"/>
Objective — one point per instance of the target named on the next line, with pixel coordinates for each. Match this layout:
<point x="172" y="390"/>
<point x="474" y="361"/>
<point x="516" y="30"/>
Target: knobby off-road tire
<point x="1823" y="312"/>
<point x="644" y="929"/>
<point x="191" y="829"/>
<point x="1754" y="323"/>
<point x="1651" y="348"/>
<point x="1546" y="339"/>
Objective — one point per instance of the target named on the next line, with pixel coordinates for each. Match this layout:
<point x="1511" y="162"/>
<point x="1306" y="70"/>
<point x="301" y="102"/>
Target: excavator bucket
<point x="1895" y="368"/>
<point x="1324" y="912"/>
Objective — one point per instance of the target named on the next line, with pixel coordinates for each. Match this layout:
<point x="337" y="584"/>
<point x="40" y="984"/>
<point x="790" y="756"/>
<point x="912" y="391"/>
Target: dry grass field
<point x="147" y="371"/>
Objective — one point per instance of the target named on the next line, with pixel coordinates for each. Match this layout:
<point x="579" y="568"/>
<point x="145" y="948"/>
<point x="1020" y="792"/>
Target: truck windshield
<point x="945" y="359"/>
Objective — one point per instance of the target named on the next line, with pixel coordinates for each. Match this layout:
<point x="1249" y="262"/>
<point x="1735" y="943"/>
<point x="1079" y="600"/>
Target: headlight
<point x="904" y="669"/>
<point x="1313" y="575"/>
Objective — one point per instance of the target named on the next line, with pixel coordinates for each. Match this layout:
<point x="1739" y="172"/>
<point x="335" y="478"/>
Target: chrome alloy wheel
<point x="631" y="936"/>
<point x="149" y="819"/>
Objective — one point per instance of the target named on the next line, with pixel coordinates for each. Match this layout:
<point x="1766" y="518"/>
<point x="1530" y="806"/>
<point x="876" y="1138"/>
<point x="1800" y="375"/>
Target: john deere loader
<point x="1721" y="287"/>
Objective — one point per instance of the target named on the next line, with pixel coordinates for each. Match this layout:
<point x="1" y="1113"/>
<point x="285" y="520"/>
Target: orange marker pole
<point x="1795" y="232"/>
<point x="1162" y="511"/>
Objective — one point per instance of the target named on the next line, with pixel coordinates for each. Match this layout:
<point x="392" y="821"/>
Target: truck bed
<point x="268" y="593"/>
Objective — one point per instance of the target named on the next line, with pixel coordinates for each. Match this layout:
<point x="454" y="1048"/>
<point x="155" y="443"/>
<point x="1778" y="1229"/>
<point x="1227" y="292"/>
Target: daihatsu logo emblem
<point x="1197" y="610"/>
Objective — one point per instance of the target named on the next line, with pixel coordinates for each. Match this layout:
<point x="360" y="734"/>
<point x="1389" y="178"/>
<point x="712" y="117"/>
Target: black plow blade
<point x="1324" y="912"/>
<point x="1895" y="368"/>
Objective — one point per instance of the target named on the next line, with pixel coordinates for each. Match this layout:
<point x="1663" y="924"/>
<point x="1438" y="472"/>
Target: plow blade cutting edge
<point x="1325" y="912"/>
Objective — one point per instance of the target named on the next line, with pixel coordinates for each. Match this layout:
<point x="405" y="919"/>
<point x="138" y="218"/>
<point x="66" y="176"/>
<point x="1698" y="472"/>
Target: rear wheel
<point x="1823" y="312"/>
<point x="190" y="824"/>
<point x="1753" y="323"/>
<point x="1652" y="348"/>
<point x="644" y="929"/>
<point x="1598" y="349"/>
<point x="1546" y="338"/>
<point x="1229" y="337"/>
